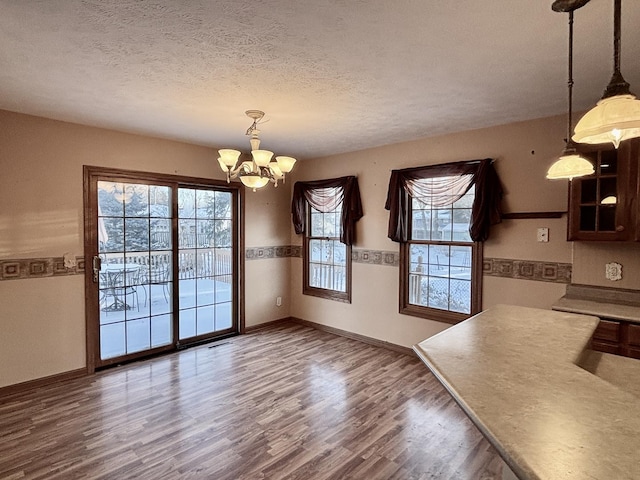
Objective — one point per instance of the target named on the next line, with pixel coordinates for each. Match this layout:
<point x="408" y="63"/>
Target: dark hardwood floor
<point x="286" y="402"/>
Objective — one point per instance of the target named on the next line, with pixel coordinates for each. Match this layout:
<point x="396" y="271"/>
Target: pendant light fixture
<point x="616" y="117"/>
<point x="570" y="164"/>
<point x="259" y="171"/>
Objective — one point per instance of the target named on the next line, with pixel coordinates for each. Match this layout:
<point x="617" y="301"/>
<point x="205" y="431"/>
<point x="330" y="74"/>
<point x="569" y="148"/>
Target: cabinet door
<point x="602" y="205"/>
<point x="634" y="341"/>
<point x="634" y="189"/>
<point x="606" y="337"/>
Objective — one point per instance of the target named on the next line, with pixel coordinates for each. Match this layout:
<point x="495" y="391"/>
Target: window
<point x="326" y="212"/>
<point x="440" y="215"/>
<point x="327" y="260"/>
<point x="441" y="281"/>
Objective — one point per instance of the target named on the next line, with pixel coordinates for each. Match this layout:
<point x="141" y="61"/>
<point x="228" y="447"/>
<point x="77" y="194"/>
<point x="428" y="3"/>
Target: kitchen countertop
<point x="613" y="311"/>
<point x="515" y="372"/>
<point x="603" y="302"/>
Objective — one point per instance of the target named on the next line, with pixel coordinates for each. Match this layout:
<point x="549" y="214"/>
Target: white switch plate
<point x="543" y="234"/>
<point x="278" y="301"/>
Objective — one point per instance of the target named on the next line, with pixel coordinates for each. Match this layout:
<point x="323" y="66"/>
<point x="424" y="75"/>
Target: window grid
<point x="132" y="219"/>
<point x="327" y="260"/>
<point x="204" y="240"/>
<point x="440" y="259"/>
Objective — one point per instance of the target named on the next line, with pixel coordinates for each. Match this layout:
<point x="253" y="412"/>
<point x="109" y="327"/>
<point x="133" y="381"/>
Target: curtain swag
<point x="446" y="184"/>
<point x="326" y="195"/>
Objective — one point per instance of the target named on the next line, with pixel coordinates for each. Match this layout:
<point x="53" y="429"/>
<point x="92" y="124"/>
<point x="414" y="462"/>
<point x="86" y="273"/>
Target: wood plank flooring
<point x="286" y="402"/>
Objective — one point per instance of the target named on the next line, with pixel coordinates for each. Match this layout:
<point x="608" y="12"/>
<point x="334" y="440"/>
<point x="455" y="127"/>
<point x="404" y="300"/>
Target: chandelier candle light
<point x="261" y="169"/>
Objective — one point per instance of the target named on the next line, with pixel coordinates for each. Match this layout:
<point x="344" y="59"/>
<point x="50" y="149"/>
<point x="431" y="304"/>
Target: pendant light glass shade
<point x="616" y="117"/>
<point x="613" y="119"/>
<point x="254" y="180"/>
<point x="228" y="157"/>
<point x="262" y="157"/>
<point x="285" y="163"/>
<point x="570" y="165"/>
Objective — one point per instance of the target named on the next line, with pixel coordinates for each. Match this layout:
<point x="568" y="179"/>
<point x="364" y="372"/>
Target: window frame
<point x="440" y="315"/>
<point x="325" y="293"/>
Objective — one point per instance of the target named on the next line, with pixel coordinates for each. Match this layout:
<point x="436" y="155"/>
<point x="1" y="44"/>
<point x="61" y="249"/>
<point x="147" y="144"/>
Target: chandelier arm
<point x="239" y="170"/>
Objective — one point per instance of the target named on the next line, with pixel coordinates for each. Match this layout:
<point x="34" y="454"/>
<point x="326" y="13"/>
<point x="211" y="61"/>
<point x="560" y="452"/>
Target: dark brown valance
<point x="325" y="196"/>
<point x="486" y="209"/>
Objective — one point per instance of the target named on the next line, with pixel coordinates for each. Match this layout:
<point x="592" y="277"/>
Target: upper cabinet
<point x="604" y="206"/>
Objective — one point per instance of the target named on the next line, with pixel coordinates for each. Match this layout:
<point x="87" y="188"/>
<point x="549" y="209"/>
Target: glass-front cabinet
<point x="604" y="206"/>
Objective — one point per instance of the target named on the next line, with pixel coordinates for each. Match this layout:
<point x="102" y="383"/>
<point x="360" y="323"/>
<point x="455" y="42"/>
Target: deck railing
<point x="329" y="277"/>
<point x="192" y="263"/>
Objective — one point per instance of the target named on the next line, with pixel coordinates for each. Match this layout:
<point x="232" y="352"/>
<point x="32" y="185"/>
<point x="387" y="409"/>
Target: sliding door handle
<point x="97" y="266"/>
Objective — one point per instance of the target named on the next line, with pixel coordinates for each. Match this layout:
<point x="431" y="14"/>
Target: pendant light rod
<point x="570" y="164"/>
<point x="617" y="28"/>
<point x="570" y="81"/>
<point x="617" y="84"/>
<point x="569" y="6"/>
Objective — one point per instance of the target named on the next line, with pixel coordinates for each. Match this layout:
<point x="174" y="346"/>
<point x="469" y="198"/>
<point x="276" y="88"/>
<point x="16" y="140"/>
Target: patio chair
<point x="159" y="275"/>
<point x="121" y="284"/>
<point x="156" y="275"/>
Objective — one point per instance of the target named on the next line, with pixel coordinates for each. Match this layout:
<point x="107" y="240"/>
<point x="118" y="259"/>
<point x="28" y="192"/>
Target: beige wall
<point x="523" y="152"/>
<point x="590" y="260"/>
<point x="42" y="325"/>
<point x="42" y="321"/>
<point x="268" y="219"/>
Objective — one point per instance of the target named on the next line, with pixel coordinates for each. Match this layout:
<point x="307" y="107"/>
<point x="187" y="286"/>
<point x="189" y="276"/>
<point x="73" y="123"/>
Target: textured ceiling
<point x="332" y="75"/>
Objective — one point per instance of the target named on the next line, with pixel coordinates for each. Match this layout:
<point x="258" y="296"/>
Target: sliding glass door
<point x="135" y="281"/>
<point x="164" y="269"/>
<point x="205" y="239"/>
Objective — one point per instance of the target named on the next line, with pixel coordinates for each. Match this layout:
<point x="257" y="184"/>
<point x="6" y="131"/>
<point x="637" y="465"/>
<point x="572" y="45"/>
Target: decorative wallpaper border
<point x="372" y="257"/>
<point x="375" y="257"/>
<point x="22" y="268"/>
<point x="527" y="270"/>
<point x="260" y="253"/>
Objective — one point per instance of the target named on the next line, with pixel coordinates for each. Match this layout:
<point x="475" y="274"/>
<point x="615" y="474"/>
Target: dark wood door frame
<point x="91" y="174"/>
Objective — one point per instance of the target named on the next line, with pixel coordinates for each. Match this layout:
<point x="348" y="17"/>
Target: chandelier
<point x="260" y="170"/>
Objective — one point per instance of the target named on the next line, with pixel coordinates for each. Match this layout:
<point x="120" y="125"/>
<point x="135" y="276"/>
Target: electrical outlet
<point x="278" y="301"/>
<point x="543" y="235"/>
